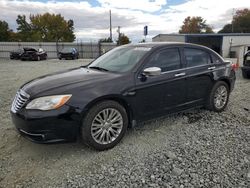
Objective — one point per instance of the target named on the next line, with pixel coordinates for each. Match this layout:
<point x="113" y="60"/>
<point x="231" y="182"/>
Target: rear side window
<point x="216" y="59"/>
<point x="196" y="57"/>
<point x="167" y="60"/>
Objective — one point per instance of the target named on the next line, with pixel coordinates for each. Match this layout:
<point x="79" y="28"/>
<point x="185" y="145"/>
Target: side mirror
<point x="228" y="61"/>
<point x="152" y="71"/>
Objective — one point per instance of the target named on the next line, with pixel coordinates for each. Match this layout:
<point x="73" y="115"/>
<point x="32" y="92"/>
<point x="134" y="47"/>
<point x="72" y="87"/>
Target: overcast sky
<point x="91" y="17"/>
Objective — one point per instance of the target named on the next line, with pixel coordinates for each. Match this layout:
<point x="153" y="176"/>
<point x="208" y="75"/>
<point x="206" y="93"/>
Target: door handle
<point x="211" y="68"/>
<point x="180" y="74"/>
<point x="129" y="93"/>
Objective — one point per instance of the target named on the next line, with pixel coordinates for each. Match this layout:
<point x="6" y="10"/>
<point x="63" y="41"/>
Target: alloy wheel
<point x="106" y="126"/>
<point x="220" y="97"/>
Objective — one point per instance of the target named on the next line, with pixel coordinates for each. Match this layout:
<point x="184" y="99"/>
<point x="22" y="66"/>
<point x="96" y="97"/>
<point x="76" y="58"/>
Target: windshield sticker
<point x="142" y="48"/>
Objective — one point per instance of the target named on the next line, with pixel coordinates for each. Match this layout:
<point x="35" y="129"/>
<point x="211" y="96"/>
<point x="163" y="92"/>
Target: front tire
<point x="218" y="98"/>
<point x="104" y="125"/>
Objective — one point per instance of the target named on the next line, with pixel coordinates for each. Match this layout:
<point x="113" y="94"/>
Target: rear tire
<point x="104" y="125"/>
<point x="218" y="98"/>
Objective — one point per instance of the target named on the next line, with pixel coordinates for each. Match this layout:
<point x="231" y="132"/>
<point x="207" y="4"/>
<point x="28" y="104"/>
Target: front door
<point x="156" y="95"/>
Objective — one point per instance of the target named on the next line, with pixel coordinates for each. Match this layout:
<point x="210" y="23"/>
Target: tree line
<point x="40" y="28"/>
<point x="239" y="24"/>
<point x="55" y="28"/>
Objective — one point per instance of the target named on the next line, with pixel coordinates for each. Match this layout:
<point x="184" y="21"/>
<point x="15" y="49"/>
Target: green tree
<point x="24" y="29"/>
<point x="4" y="31"/>
<point x="45" y="28"/>
<point x="123" y="39"/>
<point x="240" y="23"/>
<point x="226" y="29"/>
<point x="13" y="36"/>
<point x="195" y="25"/>
<point x="106" y="40"/>
<point x="52" y="28"/>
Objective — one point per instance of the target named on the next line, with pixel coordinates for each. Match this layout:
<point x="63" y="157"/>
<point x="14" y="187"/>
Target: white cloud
<point x="143" y="5"/>
<point x="216" y="12"/>
<point x="92" y="23"/>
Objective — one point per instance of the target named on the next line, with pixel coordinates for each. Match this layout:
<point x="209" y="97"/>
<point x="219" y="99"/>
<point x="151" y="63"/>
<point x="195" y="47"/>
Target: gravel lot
<point x="197" y="148"/>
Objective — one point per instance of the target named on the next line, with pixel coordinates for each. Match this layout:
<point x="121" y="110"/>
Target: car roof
<point x="29" y="49"/>
<point x="162" y="44"/>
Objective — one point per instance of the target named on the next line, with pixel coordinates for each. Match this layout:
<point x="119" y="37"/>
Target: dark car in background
<point x="32" y="54"/>
<point x="246" y="65"/>
<point x="68" y="53"/>
<point x="123" y="87"/>
<point x="16" y="54"/>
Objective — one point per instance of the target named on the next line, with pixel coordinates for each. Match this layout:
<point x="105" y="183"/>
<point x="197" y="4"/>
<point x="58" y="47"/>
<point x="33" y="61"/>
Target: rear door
<point x="199" y="69"/>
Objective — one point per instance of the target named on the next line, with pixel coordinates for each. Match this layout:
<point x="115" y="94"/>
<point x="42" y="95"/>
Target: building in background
<point x="231" y="45"/>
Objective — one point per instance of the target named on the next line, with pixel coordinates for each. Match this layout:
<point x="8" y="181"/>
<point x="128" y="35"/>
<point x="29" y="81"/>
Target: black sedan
<point x="125" y="86"/>
<point x="246" y="65"/>
<point x="16" y="54"/>
<point x="68" y="53"/>
<point x="32" y="54"/>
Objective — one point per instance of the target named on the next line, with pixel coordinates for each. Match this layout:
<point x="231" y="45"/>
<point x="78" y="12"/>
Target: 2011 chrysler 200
<point x="127" y="85"/>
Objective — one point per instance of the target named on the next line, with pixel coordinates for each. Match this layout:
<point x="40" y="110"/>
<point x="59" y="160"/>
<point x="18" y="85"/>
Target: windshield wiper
<point x="98" y="68"/>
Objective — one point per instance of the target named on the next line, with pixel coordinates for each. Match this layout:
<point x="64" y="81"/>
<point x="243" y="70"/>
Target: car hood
<point x="82" y="76"/>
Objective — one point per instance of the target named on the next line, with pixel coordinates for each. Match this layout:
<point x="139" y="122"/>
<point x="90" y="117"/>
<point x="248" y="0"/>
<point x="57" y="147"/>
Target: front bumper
<point x="28" y="57"/>
<point x="14" y="56"/>
<point x="47" y="126"/>
<point x="66" y="56"/>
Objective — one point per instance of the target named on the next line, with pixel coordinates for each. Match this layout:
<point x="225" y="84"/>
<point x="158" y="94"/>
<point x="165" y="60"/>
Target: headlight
<point x="48" y="103"/>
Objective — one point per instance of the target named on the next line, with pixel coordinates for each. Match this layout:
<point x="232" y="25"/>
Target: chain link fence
<point x="86" y="50"/>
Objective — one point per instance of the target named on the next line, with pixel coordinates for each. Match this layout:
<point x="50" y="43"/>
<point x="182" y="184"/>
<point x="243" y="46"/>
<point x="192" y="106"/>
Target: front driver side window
<point x="167" y="60"/>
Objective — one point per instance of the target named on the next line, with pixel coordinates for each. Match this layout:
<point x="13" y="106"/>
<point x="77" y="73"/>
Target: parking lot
<point x="197" y="148"/>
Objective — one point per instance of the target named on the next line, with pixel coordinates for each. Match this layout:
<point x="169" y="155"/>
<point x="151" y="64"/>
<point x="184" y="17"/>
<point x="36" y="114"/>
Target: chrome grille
<point x="19" y="101"/>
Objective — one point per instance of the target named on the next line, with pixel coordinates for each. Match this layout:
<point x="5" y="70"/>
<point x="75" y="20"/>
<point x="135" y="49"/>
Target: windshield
<point x="18" y="51"/>
<point x="120" y="59"/>
<point x="67" y="50"/>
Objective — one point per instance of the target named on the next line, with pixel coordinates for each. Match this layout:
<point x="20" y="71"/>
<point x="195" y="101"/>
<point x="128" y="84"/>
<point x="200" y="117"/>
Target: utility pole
<point x="233" y="21"/>
<point x="145" y="32"/>
<point x="119" y="34"/>
<point x="110" y="26"/>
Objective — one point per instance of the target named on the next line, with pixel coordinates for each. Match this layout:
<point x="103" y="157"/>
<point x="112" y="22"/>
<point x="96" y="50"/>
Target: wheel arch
<point x="227" y="81"/>
<point x="117" y="98"/>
